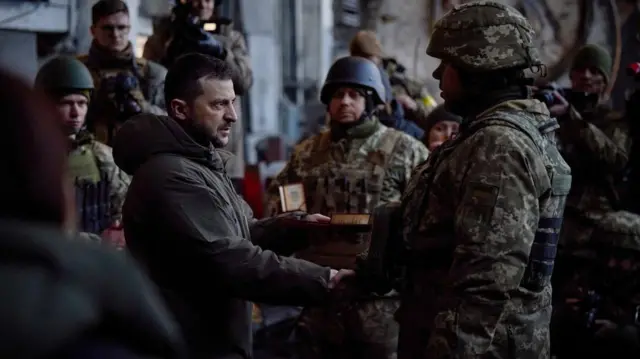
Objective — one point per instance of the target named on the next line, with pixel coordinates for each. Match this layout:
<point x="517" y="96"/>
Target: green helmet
<point x="484" y="36"/>
<point x="64" y="72"/>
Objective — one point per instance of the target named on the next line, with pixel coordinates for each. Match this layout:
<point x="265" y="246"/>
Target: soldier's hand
<point x="407" y="102"/>
<point x="561" y="106"/>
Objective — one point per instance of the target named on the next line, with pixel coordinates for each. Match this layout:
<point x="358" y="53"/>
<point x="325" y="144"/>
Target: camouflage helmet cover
<point x="484" y="36"/>
<point x="64" y="72"/>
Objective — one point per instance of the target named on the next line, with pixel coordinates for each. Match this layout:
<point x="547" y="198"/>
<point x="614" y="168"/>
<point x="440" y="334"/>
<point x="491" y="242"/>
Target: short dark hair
<point x="182" y="80"/>
<point x="104" y="8"/>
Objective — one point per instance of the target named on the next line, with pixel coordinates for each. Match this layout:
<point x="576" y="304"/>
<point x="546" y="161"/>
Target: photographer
<point x="196" y="28"/>
<point x="125" y="85"/>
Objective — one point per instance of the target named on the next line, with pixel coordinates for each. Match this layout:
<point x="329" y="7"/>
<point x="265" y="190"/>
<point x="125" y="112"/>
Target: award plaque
<point x="292" y="198"/>
<point x="351" y="221"/>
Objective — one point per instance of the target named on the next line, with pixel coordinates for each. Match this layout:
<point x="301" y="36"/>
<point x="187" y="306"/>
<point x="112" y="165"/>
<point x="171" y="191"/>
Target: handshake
<point x="337" y="276"/>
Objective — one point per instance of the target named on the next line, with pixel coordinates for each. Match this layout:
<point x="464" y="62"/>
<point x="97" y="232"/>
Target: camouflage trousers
<point x="366" y="330"/>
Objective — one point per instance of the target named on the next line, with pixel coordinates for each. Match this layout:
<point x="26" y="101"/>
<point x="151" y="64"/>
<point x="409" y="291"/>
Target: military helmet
<point x="64" y="72"/>
<point x="484" y="36"/>
<point x="353" y="71"/>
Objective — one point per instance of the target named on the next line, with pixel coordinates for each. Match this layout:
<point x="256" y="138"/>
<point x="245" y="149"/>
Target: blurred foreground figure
<point x="62" y="298"/>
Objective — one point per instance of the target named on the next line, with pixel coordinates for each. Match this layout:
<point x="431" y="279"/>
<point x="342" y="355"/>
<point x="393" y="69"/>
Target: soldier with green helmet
<point x="354" y="166"/>
<point x="100" y="185"/>
<point x="480" y="218"/>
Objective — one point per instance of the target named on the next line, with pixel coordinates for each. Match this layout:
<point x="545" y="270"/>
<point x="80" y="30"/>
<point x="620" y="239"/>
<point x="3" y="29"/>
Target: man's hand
<point x="316" y="217"/>
<point x="561" y="107"/>
<point x="337" y="276"/>
<point x="407" y="102"/>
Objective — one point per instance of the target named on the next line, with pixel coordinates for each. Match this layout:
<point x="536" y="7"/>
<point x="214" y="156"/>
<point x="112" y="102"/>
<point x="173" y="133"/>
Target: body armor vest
<point x="93" y="203"/>
<point x="551" y="203"/>
<point x="339" y="182"/>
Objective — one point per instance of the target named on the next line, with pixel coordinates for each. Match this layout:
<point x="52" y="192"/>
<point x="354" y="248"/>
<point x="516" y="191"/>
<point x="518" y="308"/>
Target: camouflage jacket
<point x="479" y="218"/>
<point x="596" y="147"/>
<point x="408" y="153"/>
<point x="118" y="180"/>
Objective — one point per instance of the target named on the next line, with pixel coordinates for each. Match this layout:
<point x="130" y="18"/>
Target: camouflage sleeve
<point x="118" y="180"/>
<point x="155" y="103"/>
<point x="238" y="57"/>
<point x="496" y="216"/>
<point x="408" y="154"/>
<point x="592" y="141"/>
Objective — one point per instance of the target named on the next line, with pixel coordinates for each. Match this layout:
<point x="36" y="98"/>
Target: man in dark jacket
<point x="187" y="225"/>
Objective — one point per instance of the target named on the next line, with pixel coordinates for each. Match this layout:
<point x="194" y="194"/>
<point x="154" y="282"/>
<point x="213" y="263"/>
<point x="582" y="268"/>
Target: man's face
<point x="449" y="80"/>
<point x="346" y="105"/>
<point x="203" y="9"/>
<point x="588" y="80"/>
<point x="440" y="132"/>
<point x="112" y="31"/>
<point x="212" y="112"/>
<point x="73" y="110"/>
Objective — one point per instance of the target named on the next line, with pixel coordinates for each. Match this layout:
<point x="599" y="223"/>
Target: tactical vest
<point x="93" y="203"/>
<point x="551" y="203"/>
<point x="102" y="125"/>
<point x="344" y="186"/>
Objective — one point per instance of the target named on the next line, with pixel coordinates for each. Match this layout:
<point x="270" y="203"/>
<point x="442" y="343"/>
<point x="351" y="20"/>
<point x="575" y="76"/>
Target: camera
<point x="120" y="87"/>
<point x="547" y="94"/>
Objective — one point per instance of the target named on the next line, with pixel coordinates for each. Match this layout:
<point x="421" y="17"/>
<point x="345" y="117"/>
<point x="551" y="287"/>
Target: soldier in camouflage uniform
<point x="225" y="43"/>
<point x="599" y="315"/>
<point x="125" y="84"/>
<point x="595" y="142"/>
<point x="99" y="184"/>
<point x="481" y="217"/>
<point x="354" y="166"/>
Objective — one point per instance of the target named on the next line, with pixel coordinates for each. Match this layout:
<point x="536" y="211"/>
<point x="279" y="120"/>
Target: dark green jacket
<point x="185" y="222"/>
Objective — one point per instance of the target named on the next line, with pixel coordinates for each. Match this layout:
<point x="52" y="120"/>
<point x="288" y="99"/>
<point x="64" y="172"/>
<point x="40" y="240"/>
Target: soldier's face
<point x="588" y="80"/>
<point x="73" y="110"/>
<point x="346" y="105"/>
<point x="203" y="8"/>
<point x="112" y="31"/>
<point x="450" y="83"/>
<point x="212" y="113"/>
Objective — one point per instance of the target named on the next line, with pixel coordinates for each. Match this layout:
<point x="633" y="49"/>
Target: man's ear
<point x="92" y="28"/>
<point x="179" y="109"/>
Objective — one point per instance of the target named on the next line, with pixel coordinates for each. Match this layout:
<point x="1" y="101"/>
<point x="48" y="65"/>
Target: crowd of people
<point x="497" y="224"/>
